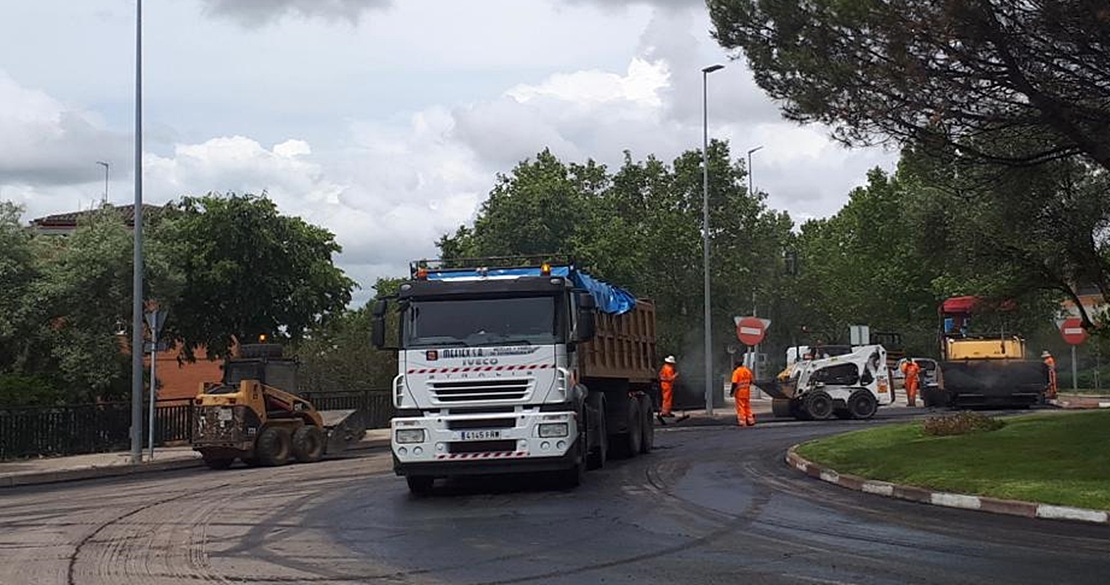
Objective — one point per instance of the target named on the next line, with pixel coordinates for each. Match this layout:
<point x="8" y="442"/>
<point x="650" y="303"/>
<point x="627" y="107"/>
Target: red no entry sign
<point x="1073" y="332"/>
<point x="750" y="330"/>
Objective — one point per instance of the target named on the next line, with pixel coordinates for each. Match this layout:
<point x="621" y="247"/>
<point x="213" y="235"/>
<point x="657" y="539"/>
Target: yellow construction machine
<point x="255" y="415"/>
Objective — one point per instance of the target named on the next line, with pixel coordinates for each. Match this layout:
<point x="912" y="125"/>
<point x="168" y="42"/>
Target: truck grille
<point x="480" y="390"/>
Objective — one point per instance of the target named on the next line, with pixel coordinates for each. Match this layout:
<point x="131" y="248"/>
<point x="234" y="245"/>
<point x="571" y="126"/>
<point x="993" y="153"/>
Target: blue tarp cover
<point x="610" y="299"/>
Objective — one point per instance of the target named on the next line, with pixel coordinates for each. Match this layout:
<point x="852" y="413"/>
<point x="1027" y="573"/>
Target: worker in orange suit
<point x="667" y="376"/>
<point x="911" y="370"/>
<point x="742" y="394"/>
<point x="1050" y="363"/>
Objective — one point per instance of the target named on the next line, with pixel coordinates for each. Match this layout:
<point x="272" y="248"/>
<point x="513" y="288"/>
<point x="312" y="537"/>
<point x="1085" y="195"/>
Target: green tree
<point x="970" y="73"/>
<point x="246" y="270"/>
<point x="17" y="271"/>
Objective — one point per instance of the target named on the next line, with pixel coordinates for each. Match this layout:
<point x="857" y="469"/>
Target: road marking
<point x="817" y="579"/>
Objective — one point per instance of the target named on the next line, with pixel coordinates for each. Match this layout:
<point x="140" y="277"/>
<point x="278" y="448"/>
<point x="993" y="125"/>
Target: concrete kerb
<point x="949" y="500"/>
<point x="83" y="473"/>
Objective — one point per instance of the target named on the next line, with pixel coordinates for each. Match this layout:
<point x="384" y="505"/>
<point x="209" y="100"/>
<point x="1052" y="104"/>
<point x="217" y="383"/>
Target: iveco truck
<point x="534" y="367"/>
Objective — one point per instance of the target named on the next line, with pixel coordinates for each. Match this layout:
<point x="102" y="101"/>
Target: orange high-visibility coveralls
<point x="741" y="392"/>
<point x="911" y="370"/>
<point x="1051" y="363"/>
<point x="667" y="377"/>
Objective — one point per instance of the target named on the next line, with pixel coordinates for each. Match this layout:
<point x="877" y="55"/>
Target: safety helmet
<point x="669" y="359"/>
<point x="1045" y="354"/>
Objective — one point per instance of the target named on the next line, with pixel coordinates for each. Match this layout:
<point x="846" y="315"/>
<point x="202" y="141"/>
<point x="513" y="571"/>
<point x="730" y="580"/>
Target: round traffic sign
<point x="750" y="330"/>
<point x="1073" y="332"/>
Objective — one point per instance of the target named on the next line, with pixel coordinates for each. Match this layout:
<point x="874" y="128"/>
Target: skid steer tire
<point x="213" y="462"/>
<point x="818" y="405"/>
<point x="308" y="444"/>
<point x="273" y="446"/>
<point x="862" y="404"/>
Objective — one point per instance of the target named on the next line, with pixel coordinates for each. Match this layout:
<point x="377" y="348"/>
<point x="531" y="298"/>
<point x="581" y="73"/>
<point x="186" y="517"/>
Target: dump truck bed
<point x="624" y="347"/>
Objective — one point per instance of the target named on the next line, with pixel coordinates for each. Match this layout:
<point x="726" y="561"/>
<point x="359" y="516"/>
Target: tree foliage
<point x="640" y="228"/>
<point x="984" y="75"/>
<point x="246" y="270"/>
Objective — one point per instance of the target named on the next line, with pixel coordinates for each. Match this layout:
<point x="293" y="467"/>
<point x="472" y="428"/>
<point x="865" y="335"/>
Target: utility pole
<point x="105" y="165"/>
<point x="137" y="280"/>
<point x="705" y="234"/>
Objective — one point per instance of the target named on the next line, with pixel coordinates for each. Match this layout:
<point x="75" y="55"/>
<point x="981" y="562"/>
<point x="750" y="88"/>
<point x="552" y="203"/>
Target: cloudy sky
<point x="383" y="120"/>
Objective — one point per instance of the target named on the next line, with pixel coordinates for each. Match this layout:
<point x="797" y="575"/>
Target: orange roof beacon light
<point x="545" y="269"/>
<point x="262" y="338"/>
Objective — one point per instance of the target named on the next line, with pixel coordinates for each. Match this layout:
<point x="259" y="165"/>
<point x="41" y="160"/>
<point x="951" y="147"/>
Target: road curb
<point x="67" y="475"/>
<point x="945" y="499"/>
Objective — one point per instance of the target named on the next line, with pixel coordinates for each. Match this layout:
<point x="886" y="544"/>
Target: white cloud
<point x="46" y="142"/>
<point x="252" y="13"/>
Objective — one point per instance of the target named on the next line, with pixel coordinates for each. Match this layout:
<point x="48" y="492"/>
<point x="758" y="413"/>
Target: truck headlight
<point x="549" y="430"/>
<point x="410" y="435"/>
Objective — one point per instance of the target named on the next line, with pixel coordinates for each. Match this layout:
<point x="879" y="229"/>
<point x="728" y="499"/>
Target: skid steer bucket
<point x="343" y="427"/>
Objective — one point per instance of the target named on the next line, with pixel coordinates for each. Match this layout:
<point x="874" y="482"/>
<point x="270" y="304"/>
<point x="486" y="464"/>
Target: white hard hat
<point x="669" y="359"/>
<point x="1045" y="354"/>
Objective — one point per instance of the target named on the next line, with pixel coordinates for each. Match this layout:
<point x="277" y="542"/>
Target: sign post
<point x="155" y="320"/>
<point x="1074" y="334"/>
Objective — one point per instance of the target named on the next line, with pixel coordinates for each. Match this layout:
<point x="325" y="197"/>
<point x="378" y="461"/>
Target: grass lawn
<point x="1061" y="458"/>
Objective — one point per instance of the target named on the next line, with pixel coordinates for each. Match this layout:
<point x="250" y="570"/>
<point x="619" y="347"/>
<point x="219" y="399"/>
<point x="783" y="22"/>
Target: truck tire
<point x="420" y="485"/>
<point x="573" y="477"/>
<point x="273" y="446"/>
<point x="862" y="404"/>
<point x="630" y="442"/>
<point x="600" y="452"/>
<point x="308" y="444"/>
<point x="647" y="426"/>
<point x="818" y="405"/>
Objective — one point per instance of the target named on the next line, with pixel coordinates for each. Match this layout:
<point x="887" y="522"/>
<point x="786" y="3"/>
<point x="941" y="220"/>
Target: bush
<point x="960" y="424"/>
<point x="18" y="390"/>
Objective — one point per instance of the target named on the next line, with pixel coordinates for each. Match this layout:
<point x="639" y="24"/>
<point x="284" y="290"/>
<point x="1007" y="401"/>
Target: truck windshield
<point x="474" y="322"/>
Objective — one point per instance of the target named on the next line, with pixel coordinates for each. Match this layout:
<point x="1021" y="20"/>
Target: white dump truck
<point x="528" y="368"/>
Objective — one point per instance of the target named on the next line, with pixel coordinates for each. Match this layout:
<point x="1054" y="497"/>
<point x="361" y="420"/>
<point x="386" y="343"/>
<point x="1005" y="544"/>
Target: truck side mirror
<point x="377" y="324"/>
<point x="587" y="318"/>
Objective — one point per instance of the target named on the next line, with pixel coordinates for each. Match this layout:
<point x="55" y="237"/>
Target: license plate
<point x="223" y="414"/>
<point x="479" y="435"/>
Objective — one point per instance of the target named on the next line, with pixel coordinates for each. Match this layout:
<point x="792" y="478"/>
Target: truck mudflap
<point x="343" y="428"/>
<point x="993" y="382"/>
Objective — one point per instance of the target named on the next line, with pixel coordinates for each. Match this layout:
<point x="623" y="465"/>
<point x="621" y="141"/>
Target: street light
<point x="750" y="188"/>
<point x="137" y="280"/>
<point x="105" y="165"/>
<point x="705" y="233"/>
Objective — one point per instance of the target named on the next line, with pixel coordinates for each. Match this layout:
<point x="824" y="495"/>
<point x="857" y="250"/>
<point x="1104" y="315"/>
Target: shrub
<point x="961" y="423"/>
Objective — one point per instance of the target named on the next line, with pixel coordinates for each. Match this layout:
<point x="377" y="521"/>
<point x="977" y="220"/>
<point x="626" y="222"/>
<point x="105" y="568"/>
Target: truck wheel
<point x="862" y="404"/>
<point x="631" y="442"/>
<point x="214" y="462"/>
<point x="647" y="424"/>
<point x="600" y="453"/>
<point x="273" y="446"/>
<point x="818" y="405"/>
<point x="420" y="485"/>
<point x="308" y="444"/>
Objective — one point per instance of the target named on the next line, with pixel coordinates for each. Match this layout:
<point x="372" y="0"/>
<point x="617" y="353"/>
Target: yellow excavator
<point x="255" y="415"/>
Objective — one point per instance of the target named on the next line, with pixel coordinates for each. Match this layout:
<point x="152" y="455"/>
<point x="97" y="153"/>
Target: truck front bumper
<point x="485" y="443"/>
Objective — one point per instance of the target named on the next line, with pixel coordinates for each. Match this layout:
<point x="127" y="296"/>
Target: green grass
<point x="1054" y="459"/>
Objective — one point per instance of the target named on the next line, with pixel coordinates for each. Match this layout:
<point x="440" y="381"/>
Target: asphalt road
<point x="710" y="505"/>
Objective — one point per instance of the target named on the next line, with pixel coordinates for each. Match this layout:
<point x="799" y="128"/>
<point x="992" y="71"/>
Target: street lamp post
<point x="751" y="189"/>
<point x="751" y="192"/>
<point x="137" y="280"/>
<point x="105" y="165"/>
<point x="705" y="234"/>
